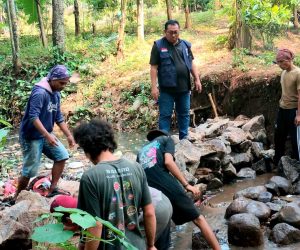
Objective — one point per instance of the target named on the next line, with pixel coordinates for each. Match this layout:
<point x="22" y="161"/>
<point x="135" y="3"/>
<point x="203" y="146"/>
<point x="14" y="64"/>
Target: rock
<point x="196" y="136"/>
<point x="296" y="188"/>
<point x="229" y="173"/>
<point x="244" y="230"/>
<point x="70" y="186"/>
<point x="202" y="187"/>
<point x="190" y="152"/>
<point x="242" y="147"/>
<point x="75" y="165"/>
<point x="216" y="128"/>
<point x="289" y="168"/>
<point x="259" y="209"/>
<point x="282" y="183"/>
<point x="198" y="240"/>
<point x="246" y="173"/>
<point x="285" y="234"/>
<point x="203" y="171"/>
<point x="191" y="168"/>
<point x="256" y="127"/>
<point x="175" y="138"/>
<point x="226" y="160"/>
<point x="257" y="148"/>
<point x="212" y="147"/>
<point x="290" y="213"/>
<point x="274" y="207"/>
<point x="241" y="159"/>
<point x="265" y="197"/>
<point x="250" y="192"/>
<point x="236" y="207"/>
<point x="189" y="177"/>
<point x="260" y="167"/>
<point x="234" y="135"/>
<point x="14" y="212"/>
<point x="10" y="229"/>
<point x="215" y="183"/>
<point x="212" y="162"/>
<point x="268" y="153"/>
<point x="272" y="188"/>
<point x="180" y="162"/>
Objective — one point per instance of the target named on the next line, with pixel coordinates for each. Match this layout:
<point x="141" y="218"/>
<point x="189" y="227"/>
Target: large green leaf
<point x="51" y="233"/>
<point x="85" y="221"/>
<point x="30" y="9"/>
<point x="69" y="210"/>
<point x="126" y="244"/>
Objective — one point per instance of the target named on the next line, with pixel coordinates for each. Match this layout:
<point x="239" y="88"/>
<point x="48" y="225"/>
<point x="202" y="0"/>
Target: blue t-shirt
<point x="44" y="105"/>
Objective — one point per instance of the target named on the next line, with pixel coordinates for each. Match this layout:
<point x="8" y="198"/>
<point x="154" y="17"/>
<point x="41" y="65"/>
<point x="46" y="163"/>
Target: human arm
<point x="96" y="231"/>
<point x="64" y="128"/>
<point x="150" y="225"/>
<point x="153" y="77"/>
<point x="51" y="139"/>
<point x="174" y="170"/>
<point x="195" y="74"/>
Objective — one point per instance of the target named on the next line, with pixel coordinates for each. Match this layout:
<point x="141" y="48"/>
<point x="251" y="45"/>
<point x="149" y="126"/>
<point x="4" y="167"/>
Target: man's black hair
<point x="94" y="137"/>
<point x="171" y="22"/>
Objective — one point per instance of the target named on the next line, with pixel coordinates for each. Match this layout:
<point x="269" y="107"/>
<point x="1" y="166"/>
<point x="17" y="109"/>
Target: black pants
<point x="285" y="125"/>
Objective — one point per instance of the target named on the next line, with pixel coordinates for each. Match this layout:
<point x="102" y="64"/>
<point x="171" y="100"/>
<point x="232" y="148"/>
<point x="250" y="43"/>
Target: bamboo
<point x="213" y="105"/>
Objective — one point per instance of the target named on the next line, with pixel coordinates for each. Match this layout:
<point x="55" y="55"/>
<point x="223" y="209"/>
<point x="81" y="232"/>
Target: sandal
<point x="57" y="191"/>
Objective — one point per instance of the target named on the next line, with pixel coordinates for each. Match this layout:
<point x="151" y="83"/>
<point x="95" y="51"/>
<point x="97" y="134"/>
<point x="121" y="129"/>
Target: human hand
<point x="155" y="93"/>
<point x="198" y="85"/>
<point x="297" y="120"/>
<point x="71" y="141"/>
<point x="51" y="139"/>
<point x="196" y="192"/>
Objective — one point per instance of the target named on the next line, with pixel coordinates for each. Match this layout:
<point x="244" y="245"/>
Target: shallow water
<point x="214" y="213"/>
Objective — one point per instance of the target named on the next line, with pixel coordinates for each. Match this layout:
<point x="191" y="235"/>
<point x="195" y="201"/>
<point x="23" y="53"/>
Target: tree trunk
<point x="140" y="20"/>
<point x="169" y="9"/>
<point x="41" y="24"/>
<point x="12" y="19"/>
<point x="58" y="28"/>
<point x="76" y="15"/>
<point x="188" y="22"/>
<point x="296" y="21"/>
<point x="121" y="37"/>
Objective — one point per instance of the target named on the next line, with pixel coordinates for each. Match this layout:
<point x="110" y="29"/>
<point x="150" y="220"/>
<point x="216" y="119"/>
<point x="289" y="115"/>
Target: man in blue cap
<point x="36" y="137"/>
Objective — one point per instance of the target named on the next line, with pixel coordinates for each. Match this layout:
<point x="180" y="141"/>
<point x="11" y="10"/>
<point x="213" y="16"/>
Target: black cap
<point x="156" y="133"/>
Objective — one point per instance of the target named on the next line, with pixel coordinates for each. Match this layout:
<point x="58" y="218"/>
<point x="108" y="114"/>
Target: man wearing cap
<point x="157" y="159"/>
<point x="288" y="117"/>
<point x="171" y="65"/>
<point x="36" y="137"/>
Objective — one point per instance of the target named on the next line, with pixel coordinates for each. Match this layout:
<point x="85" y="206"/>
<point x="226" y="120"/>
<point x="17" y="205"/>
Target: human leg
<point x="32" y="152"/>
<point x="293" y="133"/>
<point x="59" y="155"/>
<point x="280" y="135"/>
<point x="182" y="106"/>
<point x="166" y="106"/>
<point x="207" y="232"/>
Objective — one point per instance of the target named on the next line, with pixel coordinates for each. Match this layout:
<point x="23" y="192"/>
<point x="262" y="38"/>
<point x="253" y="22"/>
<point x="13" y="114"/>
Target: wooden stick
<point x="213" y="105"/>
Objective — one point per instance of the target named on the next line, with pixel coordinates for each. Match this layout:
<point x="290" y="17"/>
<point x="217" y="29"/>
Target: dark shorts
<point x="184" y="209"/>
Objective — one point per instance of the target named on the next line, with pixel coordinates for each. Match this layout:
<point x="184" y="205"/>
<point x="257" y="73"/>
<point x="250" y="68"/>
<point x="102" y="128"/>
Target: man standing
<point x="171" y="65"/>
<point x="288" y="117"/>
<point x="36" y="137"/>
<point x="157" y="159"/>
<point x="114" y="190"/>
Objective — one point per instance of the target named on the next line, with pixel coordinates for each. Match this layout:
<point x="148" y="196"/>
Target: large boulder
<point x="215" y="183"/>
<point x="259" y="167"/>
<point x="234" y="135"/>
<point x="256" y="127"/>
<point x="244" y="230"/>
<point x="290" y="213"/>
<point x="284" y="185"/>
<point x="212" y="147"/>
<point x="289" y="168"/>
<point x="190" y="152"/>
<point x="250" y="192"/>
<point x="259" y="209"/>
<point x="11" y="229"/>
<point x="212" y="162"/>
<point x="241" y="159"/>
<point x="265" y="197"/>
<point x="284" y="234"/>
<point x="257" y="148"/>
<point x="229" y="172"/>
<point x="216" y="128"/>
<point x="236" y="207"/>
<point x="247" y="173"/>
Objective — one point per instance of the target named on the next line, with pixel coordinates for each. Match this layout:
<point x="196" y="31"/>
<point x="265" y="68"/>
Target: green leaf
<point x="126" y="244"/>
<point x="7" y="124"/>
<point x="42" y="217"/>
<point x="51" y="233"/>
<point x="30" y="9"/>
<point x="84" y="221"/>
<point x="69" y="210"/>
<point x="111" y="227"/>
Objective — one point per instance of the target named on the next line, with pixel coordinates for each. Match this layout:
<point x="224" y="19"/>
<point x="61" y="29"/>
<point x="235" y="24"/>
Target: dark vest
<point x="167" y="75"/>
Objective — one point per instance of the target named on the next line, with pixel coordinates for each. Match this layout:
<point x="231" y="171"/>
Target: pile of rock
<point x="222" y="150"/>
<point x="274" y="207"/>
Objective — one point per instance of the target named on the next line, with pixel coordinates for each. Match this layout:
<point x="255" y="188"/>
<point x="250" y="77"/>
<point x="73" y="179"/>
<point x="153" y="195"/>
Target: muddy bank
<point x="236" y="93"/>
